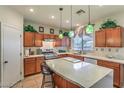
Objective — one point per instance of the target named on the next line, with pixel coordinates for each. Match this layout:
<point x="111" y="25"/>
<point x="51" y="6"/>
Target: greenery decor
<point x="29" y="28"/>
<point x="109" y="24"/>
<point x="65" y="34"/>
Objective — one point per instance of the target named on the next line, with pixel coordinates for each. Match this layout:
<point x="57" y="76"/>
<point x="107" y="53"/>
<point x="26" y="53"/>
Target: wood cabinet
<point x="39" y="61"/>
<point x="100" y="38"/>
<point x="38" y="39"/>
<point x="32" y="65"/>
<point x="62" y="55"/>
<point x="114" y="37"/>
<point x="28" y="39"/>
<point x="71" y="55"/>
<point x="116" y="68"/>
<point x="76" y="56"/>
<point x="58" y="41"/>
<point x="60" y="82"/>
<point x="32" y="39"/>
<point x="110" y="37"/>
<point x="29" y="66"/>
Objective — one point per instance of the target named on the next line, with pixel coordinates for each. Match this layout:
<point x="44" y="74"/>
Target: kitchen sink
<point x="115" y="57"/>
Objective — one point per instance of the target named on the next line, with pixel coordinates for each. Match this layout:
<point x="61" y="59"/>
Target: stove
<point x="50" y="55"/>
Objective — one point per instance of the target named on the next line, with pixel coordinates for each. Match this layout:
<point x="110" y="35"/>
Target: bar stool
<point x="46" y="72"/>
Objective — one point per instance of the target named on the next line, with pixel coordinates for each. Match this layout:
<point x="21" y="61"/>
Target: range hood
<point x="49" y="40"/>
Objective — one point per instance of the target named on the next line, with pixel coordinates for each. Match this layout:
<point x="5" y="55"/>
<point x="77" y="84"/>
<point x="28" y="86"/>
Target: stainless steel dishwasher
<point x="90" y="60"/>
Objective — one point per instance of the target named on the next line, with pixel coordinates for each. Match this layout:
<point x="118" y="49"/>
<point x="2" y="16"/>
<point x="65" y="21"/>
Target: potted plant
<point x="109" y="24"/>
<point x="29" y="28"/>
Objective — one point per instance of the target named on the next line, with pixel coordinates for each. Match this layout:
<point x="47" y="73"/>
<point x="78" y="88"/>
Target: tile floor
<point x="33" y="81"/>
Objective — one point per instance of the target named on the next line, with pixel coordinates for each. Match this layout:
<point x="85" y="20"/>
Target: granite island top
<point x="81" y="73"/>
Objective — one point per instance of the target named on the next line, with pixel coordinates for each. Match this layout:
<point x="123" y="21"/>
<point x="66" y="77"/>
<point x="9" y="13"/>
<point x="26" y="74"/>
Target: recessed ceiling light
<point x="31" y="10"/>
<point x="100" y="5"/>
<point x="53" y="17"/>
<point x="77" y="24"/>
<point x="67" y="21"/>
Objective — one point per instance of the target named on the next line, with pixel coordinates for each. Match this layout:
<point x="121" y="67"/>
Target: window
<point x="88" y="42"/>
<point x="84" y="43"/>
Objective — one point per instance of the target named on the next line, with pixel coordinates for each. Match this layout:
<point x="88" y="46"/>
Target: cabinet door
<point x="46" y="36"/>
<point x="28" y="39"/>
<point x="100" y="38"/>
<point x="29" y="66"/>
<point x="38" y="39"/>
<point x="51" y="36"/>
<point x="115" y="67"/>
<point x="113" y="37"/>
<point x="39" y="61"/>
<point x="58" y="42"/>
<point x="117" y="81"/>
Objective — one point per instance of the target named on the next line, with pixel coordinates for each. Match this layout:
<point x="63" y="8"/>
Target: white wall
<point x="8" y="16"/>
<point x="119" y="17"/>
<point x="11" y="18"/>
<point x="46" y="28"/>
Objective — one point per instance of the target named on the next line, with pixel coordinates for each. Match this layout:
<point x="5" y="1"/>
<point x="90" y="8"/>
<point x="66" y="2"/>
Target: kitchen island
<point x="75" y="74"/>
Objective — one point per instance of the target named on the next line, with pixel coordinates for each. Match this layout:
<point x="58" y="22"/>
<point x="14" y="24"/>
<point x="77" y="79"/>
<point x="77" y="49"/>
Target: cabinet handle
<point x="5" y="62"/>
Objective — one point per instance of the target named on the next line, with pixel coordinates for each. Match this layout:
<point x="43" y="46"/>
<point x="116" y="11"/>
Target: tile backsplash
<point x="111" y="51"/>
<point x="34" y="49"/>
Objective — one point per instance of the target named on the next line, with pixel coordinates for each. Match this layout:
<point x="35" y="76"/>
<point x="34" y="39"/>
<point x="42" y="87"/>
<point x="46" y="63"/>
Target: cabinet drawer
<point x="29" y="59"/>
<point x="40" y="58"/>
<point x="108" y="64"/>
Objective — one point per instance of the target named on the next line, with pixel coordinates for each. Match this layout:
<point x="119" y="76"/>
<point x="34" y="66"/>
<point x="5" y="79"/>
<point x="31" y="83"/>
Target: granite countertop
<point x="89" y="55"/>
<point x="80" y="73"/>
<point x="31" y="56"/>
<point x="97" y="56"/>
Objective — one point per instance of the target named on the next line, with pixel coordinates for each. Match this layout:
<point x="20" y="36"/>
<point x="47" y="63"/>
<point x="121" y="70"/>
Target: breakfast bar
<point x="73" y="73"/>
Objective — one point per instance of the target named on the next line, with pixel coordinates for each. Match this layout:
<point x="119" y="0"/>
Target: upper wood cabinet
<point x="28" y="39"/>
<point x="100" y="38"/>
<point x="110" y="37"/>
<point x="114" y="37"/>
<point x="38" y="39"/>
<point x="58" y="41"/>
<point x="46" y="36"/>
<point x="35" y="39"/>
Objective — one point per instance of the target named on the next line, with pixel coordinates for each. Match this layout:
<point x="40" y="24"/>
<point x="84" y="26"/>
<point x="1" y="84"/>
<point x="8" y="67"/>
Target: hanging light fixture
<point x="61" y="34"/>
<point x="89" y="27"/>
<point x="71" y="32"/>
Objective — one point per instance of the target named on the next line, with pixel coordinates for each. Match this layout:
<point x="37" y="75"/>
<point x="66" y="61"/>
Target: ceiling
<point x="42" y="14"/>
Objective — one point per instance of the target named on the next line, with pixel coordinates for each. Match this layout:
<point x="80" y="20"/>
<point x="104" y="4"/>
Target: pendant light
<point x="71" y="32"/>
<point x="89" y="27"/>
<point x="61" y="34"/>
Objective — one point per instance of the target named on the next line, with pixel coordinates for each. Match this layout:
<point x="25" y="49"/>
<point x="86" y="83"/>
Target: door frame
<point x="1" y="52"/>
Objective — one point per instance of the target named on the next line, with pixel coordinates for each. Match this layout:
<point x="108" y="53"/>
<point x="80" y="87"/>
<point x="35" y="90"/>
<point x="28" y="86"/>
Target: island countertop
<point x="81" y="73"/>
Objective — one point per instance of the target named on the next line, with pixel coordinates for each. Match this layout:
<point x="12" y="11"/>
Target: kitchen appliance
<point x="27" y="52"/>
<point x="90" y="60"/>
<point x="50" y="55"/>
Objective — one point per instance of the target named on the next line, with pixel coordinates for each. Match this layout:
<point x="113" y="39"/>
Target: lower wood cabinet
<point x="62" y="55"/>
<point x="29" y="66"/>
<point x="60" y="82"/>
<point x="116" y="68"/>
<point x="76" y="56"/>
<point x="32" y="65"/>
<point x="39" y="61"/>
<point x="71" y="55"/>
